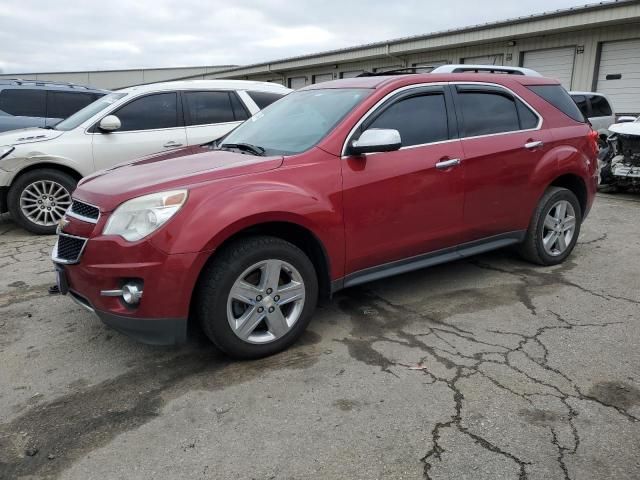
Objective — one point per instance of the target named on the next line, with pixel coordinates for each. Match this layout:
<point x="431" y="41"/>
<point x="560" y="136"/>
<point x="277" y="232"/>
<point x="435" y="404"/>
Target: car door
<point x="407" y="202"/>
<point x="150" y="124"/>
<point x="503" y="142"/>
<point x="210" y="115"/>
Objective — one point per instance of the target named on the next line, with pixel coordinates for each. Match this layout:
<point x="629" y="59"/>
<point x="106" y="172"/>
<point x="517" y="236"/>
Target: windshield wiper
<point x="245" y="147"/>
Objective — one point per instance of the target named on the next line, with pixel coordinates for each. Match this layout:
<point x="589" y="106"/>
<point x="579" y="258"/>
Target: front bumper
<point x="153" y="331"/>
<point x="106" y="263"/>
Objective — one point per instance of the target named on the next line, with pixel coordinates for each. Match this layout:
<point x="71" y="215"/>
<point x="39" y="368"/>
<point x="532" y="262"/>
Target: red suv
<point x="335" y="185"/>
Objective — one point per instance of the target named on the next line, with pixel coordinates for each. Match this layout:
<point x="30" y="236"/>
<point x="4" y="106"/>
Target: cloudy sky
<point x="41" y="35"/>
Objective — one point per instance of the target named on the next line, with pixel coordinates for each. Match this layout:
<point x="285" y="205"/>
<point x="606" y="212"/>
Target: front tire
<point x="38" y="199"/>
<point x="256" y="297"/>
<point x="554" y="228"/>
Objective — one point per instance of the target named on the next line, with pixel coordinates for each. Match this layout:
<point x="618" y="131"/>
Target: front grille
<point x="84" y="210"/>
<point x="68" y="249"/>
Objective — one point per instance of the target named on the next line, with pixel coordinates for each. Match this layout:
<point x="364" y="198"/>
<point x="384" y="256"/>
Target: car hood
<point x="632" y="128"/>
<point x="188" y="166"/>
<point x="28" y="135"/>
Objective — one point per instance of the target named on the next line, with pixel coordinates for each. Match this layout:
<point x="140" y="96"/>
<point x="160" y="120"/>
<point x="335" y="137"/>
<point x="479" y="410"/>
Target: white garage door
<point x="324" y="77"/>
<point x="497" y="59"/>
<point x="297" y="82"/>
<point x="554" y="63"/>
<point x="619" y="75"/>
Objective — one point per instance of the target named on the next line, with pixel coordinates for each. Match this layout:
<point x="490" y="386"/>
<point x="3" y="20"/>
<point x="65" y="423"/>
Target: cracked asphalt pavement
<point x="488" y="368"/>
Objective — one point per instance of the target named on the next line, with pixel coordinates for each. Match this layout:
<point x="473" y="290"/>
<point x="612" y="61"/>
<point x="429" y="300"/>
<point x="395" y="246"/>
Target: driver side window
<point x="149" y="113"/>
<point x="420" y="119"/>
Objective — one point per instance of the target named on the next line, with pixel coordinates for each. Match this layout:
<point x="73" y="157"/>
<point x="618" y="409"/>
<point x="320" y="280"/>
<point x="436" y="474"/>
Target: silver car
<point x="596" y="107"/>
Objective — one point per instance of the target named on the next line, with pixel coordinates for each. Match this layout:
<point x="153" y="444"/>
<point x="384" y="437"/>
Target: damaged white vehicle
<point x="620" y="158"/>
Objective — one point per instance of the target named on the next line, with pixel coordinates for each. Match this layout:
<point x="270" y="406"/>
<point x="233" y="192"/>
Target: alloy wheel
<point x="266" y="301"/>
<point x="44" y="202"/>
<point x="559" y="228"/>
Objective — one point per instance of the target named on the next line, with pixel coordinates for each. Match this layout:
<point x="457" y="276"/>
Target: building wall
<point x="585" y="41"/>
<point x="114" y="79"/>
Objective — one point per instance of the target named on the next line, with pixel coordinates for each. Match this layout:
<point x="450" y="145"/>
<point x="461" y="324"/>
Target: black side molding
<point x="429" y="259"/>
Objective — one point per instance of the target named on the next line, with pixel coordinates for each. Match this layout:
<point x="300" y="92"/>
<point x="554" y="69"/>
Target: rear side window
<point x="150" y="112"/>
<point x="487" y="112"/>
<point x="23" y="102"/>
<point x="264" y="99"/>
<point x="583" y="105"/>
<point x="65" y="104"/>
<point x="528" y="119"/>
<point x="557" y="96"/>
<point x="209" y="107"/>
<point x="600" y="107"/>
<point x="419" y="119"/>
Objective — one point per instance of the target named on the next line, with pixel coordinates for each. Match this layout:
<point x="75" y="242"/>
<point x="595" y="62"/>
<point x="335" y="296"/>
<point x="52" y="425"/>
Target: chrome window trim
<point x="62" y="261"/>
<point x="373" y="109"/>
<point x="70" y="213"/>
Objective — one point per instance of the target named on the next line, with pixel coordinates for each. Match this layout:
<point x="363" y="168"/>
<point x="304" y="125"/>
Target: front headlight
<point x="4" y="151"/>
<point x="139" y="217"/>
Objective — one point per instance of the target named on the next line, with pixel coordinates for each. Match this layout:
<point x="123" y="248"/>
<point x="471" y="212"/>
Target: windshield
<point x="89" y="111"/>
<point x="296" y="122"/>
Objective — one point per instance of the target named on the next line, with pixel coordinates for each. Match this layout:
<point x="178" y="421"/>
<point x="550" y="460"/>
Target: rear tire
<point x="554" y="228"/>
<point x="237" y="290"/>
<point x="38" y="199"/>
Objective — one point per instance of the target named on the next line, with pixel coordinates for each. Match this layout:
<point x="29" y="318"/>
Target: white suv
<point x="596" y="107"/>
<point x="39" y="168"/>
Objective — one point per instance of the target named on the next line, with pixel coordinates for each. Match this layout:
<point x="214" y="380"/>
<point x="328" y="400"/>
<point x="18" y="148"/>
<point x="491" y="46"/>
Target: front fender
<point x="213" y="214"/>
<point x="13" y="165"/>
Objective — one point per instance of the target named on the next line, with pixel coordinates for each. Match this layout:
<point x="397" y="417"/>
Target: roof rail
<point x="455" y="69"/>
<point x="486" y="69"/>
<point x="28" y="81"/>
<point x="398" y="71"/>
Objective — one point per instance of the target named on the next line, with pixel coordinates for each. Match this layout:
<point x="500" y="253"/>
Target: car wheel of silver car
<point x="257" y="296"/>
<point x="554" y="228"/>
<point x="38" y="199"/>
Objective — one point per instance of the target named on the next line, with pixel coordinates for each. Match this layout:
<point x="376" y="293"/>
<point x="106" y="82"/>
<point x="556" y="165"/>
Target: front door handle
<point x="172" y="144"/>
<point x="533" y="144"/>
<point x="444" y="164"/>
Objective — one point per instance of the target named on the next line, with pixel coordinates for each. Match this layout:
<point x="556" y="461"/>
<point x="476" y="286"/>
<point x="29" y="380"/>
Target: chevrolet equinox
<point x="332" y="186"/>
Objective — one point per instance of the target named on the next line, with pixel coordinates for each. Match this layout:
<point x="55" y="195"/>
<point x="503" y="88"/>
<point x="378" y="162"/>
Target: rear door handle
<point x="172" y="144"/>
<point x="444" y="164"/>
<point x="532" y="145"/>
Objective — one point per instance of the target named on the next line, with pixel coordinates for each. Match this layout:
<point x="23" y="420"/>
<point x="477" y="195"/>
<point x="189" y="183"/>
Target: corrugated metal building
<point x="594" y="47"/>
<point x="112" y="79"/>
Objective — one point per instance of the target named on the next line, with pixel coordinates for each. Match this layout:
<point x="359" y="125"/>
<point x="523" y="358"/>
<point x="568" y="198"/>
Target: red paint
<point x="365" y="211"/>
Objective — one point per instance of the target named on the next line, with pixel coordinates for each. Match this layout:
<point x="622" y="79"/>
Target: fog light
<point x="131" y="294"/>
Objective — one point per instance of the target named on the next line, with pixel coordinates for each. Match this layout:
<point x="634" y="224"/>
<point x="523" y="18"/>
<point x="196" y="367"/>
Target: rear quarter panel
<point x="571" y="151"/>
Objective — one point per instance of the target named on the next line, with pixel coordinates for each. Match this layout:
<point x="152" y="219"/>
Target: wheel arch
<point x="48" y="166"/>
<point x="301" y="236"/>
<point x="575" y="184"/>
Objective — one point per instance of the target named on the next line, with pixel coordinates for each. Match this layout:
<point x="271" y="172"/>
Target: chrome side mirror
<point x="376" y="140"/>
<point x="110" y="123"/>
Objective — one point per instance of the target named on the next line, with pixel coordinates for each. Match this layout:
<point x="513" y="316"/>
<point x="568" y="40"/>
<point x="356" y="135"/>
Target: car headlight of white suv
<point x="6" y="150"/>
<point x="140" y="217"/>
